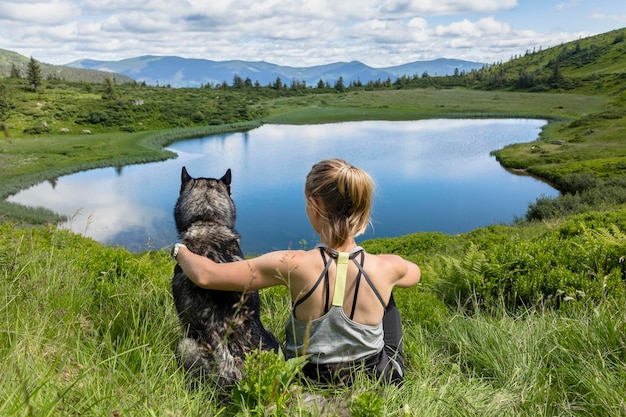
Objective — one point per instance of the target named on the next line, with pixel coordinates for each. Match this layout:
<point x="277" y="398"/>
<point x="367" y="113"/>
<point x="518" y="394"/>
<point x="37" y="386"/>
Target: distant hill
<point x="592" y="65"/>
<point x="8" y="59"/>
<point x="186" y="72"/>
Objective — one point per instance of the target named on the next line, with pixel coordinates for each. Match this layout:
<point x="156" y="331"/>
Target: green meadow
<point x="524" y="319"/>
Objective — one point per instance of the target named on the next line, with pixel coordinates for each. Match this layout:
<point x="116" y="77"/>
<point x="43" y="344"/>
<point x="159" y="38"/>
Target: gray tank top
<point x="334" y="337"/>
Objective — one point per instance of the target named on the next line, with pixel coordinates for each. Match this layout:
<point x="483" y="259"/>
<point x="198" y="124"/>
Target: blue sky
<point x="299" y="32"/>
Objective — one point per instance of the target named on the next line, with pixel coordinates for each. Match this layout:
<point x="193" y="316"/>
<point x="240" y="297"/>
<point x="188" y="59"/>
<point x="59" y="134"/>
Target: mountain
<point x="187" y="72"/>
<point x="10" y="59"/>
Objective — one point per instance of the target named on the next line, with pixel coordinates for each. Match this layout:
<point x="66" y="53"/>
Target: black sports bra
<point x="332" y="254"/>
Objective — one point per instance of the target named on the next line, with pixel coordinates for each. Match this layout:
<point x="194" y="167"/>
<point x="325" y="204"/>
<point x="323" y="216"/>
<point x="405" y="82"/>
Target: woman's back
<point x="309" y="266"/>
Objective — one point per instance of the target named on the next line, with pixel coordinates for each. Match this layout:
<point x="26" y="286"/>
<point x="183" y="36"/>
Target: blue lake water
<point x="431" y="175"/>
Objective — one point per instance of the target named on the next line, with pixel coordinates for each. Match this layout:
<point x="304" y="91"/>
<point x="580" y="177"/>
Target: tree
<point x="109" y="89"/>
<point x="339" y="86"/>
<point x="33" y="73"/>
<point x="238" y="82"/>
<point x="556" y="76"/>
<point x="15" y="71"/>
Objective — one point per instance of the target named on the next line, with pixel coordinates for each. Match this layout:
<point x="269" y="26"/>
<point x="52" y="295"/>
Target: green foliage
<point x="427" y="309"/>
<point x="367" y="404"/>
<point x="267" y="387"/>
<point x="417" y="249"/>
<point x="468" y="281"/>
<point x="87" y="329"/>
<point x="581" y="193"/>
<point x="109" y="106"/>
<point x="581" y="261"/>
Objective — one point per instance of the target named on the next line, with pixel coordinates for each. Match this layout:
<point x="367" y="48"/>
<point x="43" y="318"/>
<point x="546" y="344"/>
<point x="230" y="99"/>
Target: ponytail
<point x="345" y="194"/>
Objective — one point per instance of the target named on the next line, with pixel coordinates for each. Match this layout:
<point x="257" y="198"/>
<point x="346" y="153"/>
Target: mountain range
<point x="186" y="72"/>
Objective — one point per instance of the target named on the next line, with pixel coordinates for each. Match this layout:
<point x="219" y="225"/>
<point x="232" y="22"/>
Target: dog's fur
<point x="220" y="326"/>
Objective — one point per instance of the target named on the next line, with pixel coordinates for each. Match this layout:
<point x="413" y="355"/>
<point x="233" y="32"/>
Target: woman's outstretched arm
<point x="246" y="275"/>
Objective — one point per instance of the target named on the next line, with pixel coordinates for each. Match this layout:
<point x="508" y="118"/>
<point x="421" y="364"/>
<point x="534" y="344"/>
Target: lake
<point x="431" y="175"/>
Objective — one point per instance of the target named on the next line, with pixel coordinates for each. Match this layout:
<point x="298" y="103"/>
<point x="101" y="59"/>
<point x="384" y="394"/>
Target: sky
<point x="299" y="33"/>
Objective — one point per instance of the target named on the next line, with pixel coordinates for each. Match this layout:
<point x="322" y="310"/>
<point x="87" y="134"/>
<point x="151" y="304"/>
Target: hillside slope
<point x="8" y="59"/>
<point x="593" y="65"/>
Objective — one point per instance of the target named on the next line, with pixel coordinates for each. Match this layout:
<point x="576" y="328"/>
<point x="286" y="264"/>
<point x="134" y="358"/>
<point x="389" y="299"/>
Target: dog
<point x="220" y="326"/>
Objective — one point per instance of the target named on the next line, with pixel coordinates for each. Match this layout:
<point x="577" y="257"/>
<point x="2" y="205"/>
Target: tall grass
<point x="91" y="330"/>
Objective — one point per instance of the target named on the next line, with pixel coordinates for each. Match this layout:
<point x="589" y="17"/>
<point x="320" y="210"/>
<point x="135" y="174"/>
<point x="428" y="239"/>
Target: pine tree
<point x="15" y="71"/>
<point x="33" y="73"/>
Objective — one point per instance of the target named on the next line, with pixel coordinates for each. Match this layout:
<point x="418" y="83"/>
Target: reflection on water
<point x="431" y="175"/>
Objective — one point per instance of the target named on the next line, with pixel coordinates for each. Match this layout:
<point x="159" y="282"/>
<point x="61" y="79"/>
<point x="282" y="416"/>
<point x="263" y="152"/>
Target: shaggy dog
<point x="220" y="326"/>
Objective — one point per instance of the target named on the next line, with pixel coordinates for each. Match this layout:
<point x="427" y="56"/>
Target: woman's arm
<point x="246" y="275"/>
<point x="408" y="273"/>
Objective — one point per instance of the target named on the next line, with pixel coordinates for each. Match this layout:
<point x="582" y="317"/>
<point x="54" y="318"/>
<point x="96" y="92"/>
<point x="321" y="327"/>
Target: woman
<point x="344" y="316"/>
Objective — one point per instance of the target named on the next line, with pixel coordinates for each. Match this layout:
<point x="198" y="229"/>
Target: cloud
<point x="446" y="7"/>
<point x="44" y="12"/>
<point x="561" y="6"/>
<point x="295" y="32"/>
<point x="484" y="27"/>
<point x="616" y="18"/>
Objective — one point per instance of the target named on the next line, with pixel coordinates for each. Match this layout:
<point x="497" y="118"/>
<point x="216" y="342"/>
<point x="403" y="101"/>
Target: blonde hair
<point x="344" y="195"/>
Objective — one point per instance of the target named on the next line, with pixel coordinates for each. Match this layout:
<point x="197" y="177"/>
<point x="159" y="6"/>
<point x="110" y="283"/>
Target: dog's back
<point x="221" y="326"/>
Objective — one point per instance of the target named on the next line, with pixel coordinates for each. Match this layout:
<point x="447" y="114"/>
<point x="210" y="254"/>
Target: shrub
<point x="584" y="259"/>
<point x="578" y="182"/>
<point x="582" y="192"/>
<point x="266" y="390"/>
<point x="37" y="129"/>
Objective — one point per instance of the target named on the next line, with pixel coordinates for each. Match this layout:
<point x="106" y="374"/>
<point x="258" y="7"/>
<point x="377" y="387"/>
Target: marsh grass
<point x="91" y="330"/>
<point x="428" y="103"/>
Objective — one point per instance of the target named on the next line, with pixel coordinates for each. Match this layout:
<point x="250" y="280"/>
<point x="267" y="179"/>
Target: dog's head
<point x="204" y="199"/>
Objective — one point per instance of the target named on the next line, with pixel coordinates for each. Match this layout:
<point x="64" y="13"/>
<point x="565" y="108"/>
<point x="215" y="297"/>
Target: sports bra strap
<point x="324" y="277"/>
<point x="340" y="279"/>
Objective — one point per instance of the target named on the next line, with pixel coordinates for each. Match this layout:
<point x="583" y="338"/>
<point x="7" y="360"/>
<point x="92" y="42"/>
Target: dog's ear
<point x="227" y="177"/>
<point x="184" y="178"/>
<point x="226" y="180"/>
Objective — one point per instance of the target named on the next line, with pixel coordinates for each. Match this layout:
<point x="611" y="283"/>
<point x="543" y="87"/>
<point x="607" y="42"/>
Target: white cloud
<point x="448" y="7"/>
<point x="41" y="12"/>
<point x="483" y="27"/>
<point x="561" y="6"/>
<point x="620" y="18"/>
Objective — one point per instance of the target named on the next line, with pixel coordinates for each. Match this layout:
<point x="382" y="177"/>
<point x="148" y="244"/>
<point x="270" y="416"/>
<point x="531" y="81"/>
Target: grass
<point x="90" y="330"/>
<point x="428" y="103"/>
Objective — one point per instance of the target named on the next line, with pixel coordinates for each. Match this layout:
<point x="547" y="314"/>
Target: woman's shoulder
<point x="389" y="265"/>
<point x="387" y="259"/>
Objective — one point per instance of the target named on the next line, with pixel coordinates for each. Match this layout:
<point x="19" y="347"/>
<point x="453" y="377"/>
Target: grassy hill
<point x="593" y="65"/>
<point x="10" y="60"/>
